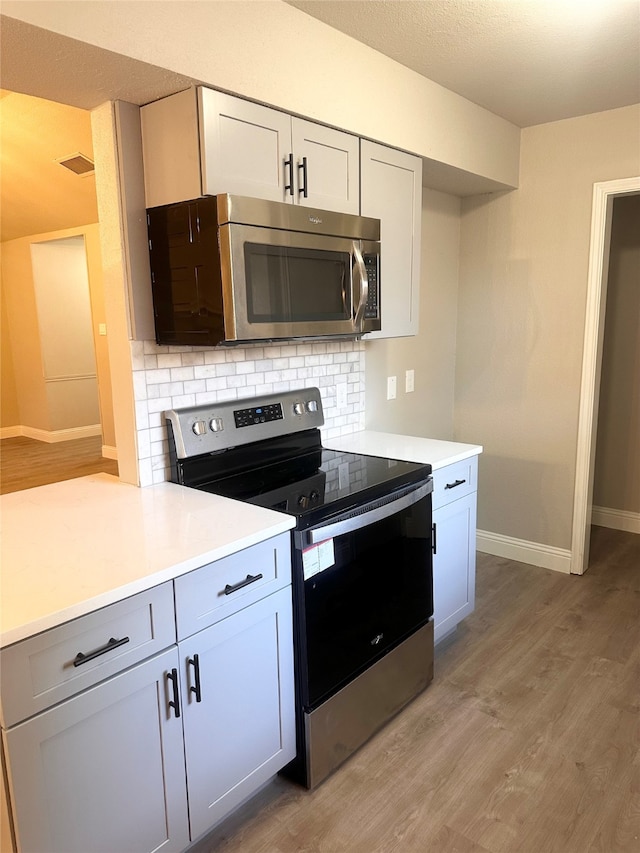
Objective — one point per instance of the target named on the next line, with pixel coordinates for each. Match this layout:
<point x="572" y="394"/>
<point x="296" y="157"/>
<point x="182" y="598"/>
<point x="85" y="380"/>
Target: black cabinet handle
<point x="195" y="663"/>
<point x="453" y="485"/>
<point x="81" y="657"/>
<point x="236" y="586"/>
<point x="303" y="187"/>
<point x="288" y="165"/>
<point x="173" y="678"/>
<point x="434" y="528"/>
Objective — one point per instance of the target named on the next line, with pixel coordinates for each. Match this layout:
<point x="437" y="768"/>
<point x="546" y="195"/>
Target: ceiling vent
<point x="77" y="163"/>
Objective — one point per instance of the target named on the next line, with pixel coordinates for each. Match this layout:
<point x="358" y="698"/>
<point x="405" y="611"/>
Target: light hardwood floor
<point x="527" y="740"/>
<point x="25" y="462"/>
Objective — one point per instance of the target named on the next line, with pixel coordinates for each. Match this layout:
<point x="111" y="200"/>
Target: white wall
<point x="428" y="410"/>
<point x="523" y="284"/>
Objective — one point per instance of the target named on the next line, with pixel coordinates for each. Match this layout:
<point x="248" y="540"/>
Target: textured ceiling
<point x="529" y="61"/>
<point x="38" y="195"/>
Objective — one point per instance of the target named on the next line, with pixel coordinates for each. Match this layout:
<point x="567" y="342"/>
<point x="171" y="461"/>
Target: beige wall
<point x="33" y="408"/>
<point x="271" y="52"/>
<point x="617" y="472"/>
<point x="428" y="411"/>
<point x="9" y="409"/>
<point x="523" y="279"/>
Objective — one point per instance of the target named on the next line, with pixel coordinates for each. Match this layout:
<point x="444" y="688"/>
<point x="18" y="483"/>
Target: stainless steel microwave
<point x="228" y="269"/>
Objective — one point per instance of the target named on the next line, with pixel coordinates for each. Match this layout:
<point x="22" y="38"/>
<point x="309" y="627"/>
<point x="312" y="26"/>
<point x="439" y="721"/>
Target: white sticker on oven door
<point x="317" y="558"/>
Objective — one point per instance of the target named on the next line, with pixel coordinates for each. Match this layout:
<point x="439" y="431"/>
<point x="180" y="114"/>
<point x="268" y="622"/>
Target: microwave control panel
<point x="372" y="265"/>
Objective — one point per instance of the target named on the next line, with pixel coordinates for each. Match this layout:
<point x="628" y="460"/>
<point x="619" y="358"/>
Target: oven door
<point x="283" y="284"/>
<point x="363" y="584"/>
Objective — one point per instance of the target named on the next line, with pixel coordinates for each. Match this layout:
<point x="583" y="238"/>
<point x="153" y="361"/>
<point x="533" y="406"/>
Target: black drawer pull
<point x="81" y="657"/>
<point x="236" y="586"/>
<point x="195" y="663"/>
<point x="304" y="188"/>
<point x="453" y="485"/>
<point x="288" y="164"/>
<point x="173" y="678"/>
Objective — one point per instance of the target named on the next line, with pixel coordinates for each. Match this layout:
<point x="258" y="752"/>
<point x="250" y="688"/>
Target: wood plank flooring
<point x="25" y="462"/>
<point x="527" y="740"/>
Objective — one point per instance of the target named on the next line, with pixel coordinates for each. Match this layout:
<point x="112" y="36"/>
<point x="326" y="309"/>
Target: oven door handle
<point x="364" y="517"/>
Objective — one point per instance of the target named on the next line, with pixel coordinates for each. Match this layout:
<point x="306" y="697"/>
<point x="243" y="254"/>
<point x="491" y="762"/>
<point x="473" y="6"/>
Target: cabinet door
<point x="454" y="563"/>
<point x="242" y="731"/>
<point x="103" y="771"/>
<point x="244" y="147"/>
<point x="331" y="175"/>
<point x="391" y="191"/>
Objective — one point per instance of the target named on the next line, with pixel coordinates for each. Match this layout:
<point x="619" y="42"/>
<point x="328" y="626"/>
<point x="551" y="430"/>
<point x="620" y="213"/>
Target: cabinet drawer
<point x="455" y="481"/>
<point x="45" y="669"/>
<point x="219" y="589"/>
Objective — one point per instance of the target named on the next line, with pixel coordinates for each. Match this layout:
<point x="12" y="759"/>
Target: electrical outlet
<point x="409" y="381"/>
<point x="391" y="387"/>
<point x="102" y="328"/>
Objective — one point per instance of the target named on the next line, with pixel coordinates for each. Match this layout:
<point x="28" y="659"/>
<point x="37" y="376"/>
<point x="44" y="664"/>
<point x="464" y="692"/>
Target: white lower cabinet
<point x="151" y="757"/>
<point x="103" y="771"/>
<point x="454" y="544"/>
<point x="239" y="726"/>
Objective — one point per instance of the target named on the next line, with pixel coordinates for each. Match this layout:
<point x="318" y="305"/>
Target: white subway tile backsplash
<point x="170" y="359"/>
<point x="174" y="377"/>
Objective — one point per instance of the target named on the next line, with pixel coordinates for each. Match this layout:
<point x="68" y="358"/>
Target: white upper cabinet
<point x="244" y="147"/>
<point x="391" y="190"/>
<point x="326" y="165"/>
<point x="203" y="142"/>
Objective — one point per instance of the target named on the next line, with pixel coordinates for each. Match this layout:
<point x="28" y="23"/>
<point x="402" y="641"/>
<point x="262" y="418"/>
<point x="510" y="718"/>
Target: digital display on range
<point x="257" y="415"/>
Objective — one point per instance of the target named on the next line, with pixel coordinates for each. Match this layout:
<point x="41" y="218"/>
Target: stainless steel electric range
<point x="362" y="560"/>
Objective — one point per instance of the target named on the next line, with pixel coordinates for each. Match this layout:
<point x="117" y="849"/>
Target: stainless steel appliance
<point x="226" y="269"/>
<point x="362" y="561"/>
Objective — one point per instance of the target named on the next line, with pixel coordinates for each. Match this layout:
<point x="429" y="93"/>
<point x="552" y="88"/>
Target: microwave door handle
<point x="364" y="287"/>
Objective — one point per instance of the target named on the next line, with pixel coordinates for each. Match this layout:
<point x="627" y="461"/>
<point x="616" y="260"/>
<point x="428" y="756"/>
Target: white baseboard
<point x="109" y="452"/>
<point x="523" y="551"/>
<point x="10" y="432"/>
<point x="617" y="519"/>
<point x="51" y="436"/>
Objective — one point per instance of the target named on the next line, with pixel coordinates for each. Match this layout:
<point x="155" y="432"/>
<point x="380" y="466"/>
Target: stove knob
<point x="314" y="496"/>
<point x="312" y="406"/>
<point x="199" y="427"/>
<point x="303" y="501"/>
<point x="216" y="425"/>
<point x="298" y="408"/>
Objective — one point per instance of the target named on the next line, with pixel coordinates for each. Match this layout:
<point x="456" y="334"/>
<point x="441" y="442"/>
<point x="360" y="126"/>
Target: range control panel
<point x="217" y="426"/>
<point x="257" y="415"/>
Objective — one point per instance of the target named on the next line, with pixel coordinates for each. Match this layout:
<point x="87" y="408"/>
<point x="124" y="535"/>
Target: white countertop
<point x="409" y="448"/>
<point x="72" y="547"/>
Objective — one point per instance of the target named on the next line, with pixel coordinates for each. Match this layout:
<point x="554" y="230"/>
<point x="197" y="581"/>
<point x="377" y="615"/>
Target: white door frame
<point x="601" y="214"/>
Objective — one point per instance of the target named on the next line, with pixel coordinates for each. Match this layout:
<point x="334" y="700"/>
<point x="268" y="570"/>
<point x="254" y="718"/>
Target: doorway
<point x="50" y="403"/>
<point x="604" y="195"/>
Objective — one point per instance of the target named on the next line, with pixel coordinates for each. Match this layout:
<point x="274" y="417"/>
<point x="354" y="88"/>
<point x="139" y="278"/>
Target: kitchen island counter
<point x="72" y="547"/>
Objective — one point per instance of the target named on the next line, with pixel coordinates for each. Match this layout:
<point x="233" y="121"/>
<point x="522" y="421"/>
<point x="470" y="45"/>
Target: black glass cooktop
<point x="319" y="483"/>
